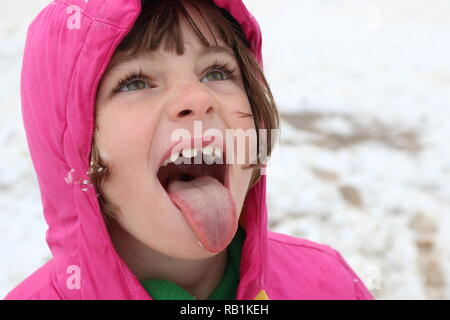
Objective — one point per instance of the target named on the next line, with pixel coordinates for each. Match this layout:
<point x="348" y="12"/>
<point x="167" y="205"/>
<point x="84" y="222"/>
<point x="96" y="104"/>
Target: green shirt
<point x="160" y="289"/>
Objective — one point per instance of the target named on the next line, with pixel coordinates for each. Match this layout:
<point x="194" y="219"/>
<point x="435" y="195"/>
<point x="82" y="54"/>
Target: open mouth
<point x="194" y="164"/>
<point x="188" y="172"/>
<point x="197" y="183"/>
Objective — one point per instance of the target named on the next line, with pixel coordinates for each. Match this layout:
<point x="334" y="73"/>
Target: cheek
<point x="122" y="135"/>
<point x="238" y="110"/>
<point x="242" y="121"/>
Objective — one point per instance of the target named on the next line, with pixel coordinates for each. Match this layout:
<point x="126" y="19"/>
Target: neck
<point x="198" y="277"/>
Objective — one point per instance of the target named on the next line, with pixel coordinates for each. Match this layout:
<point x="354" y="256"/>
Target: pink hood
<point x="62" y="68"/>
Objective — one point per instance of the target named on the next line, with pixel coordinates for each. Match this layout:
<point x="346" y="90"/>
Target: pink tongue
<point x="209" y="209"/>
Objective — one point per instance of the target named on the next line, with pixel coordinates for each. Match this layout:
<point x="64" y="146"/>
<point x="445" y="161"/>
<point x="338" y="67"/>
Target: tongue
<point x="208" y="208"/>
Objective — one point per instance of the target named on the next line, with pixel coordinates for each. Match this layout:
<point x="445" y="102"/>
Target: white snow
<point x="363" y="166"/>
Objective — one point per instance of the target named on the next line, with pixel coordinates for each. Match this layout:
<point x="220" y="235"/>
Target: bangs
<point x="161" y="20"/>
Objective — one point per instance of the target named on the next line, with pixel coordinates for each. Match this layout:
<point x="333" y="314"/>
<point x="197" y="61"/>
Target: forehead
<point x="192" y="32"/>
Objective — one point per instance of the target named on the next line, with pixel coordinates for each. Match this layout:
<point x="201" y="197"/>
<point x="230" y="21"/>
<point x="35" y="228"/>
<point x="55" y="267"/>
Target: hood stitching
<point x="262" y="244"/>
<point x="132" y="285"/>
<point x="64" y="132"/>
<point x="67" y="131"/>
<point x="82" y="11"/>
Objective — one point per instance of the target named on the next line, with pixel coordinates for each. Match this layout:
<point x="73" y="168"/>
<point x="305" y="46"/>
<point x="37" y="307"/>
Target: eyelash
<point x="137" y="74"/>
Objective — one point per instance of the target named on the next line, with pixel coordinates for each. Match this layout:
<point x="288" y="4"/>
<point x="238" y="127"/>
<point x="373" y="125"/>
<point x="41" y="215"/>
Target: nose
<point x="193" y="101"/>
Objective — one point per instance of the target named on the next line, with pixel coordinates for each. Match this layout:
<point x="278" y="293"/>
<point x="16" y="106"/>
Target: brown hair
<point x="159" y="20"/>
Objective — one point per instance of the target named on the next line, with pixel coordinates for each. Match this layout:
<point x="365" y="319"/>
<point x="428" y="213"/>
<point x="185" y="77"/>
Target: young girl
<point x="106" y="86"/>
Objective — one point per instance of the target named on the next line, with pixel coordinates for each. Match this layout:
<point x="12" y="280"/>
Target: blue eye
<point x="136" y="84"/>
<point x="132" y="81"/>
<point x="135" y="80"/>
<point x="219" y="76"/>
<point x="222" y="69"/>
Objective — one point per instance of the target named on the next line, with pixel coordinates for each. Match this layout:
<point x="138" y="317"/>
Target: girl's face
<point x="135" y="121"/>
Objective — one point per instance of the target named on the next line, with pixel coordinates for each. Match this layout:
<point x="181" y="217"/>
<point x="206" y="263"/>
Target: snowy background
<point x="363" y="89"/>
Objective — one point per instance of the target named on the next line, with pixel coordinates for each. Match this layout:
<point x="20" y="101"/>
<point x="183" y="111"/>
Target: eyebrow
<point x="214" y="49"/>
<point x="217" y="49"/>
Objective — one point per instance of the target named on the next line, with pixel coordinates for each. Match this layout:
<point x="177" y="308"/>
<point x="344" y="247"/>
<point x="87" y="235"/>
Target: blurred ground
<point x="363" y="89"/>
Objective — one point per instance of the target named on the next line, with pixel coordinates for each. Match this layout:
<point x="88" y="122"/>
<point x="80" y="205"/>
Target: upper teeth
<point x="210" y="153"/>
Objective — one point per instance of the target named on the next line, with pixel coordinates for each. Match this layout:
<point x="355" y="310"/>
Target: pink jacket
<point x="62" y="66"/>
